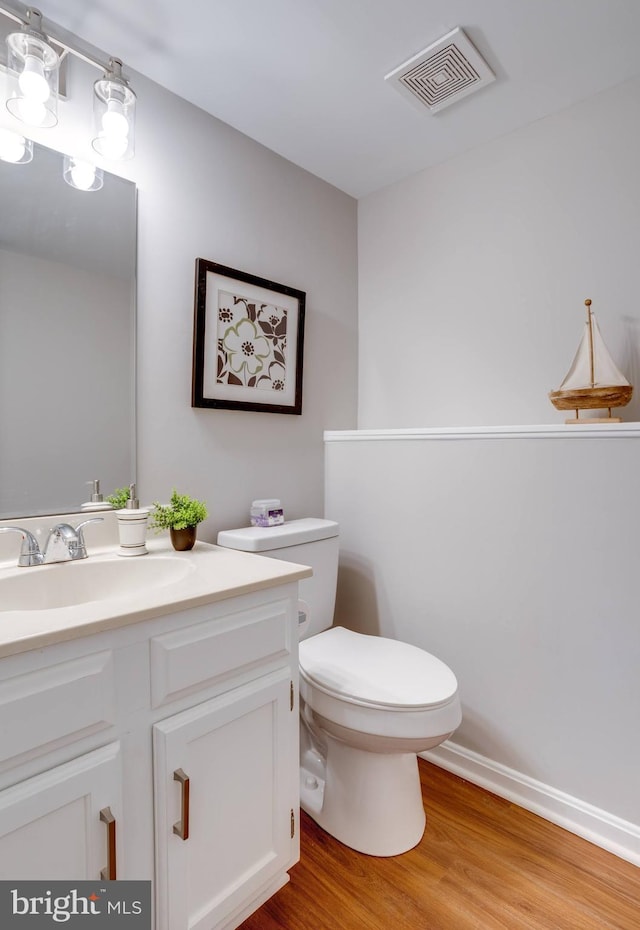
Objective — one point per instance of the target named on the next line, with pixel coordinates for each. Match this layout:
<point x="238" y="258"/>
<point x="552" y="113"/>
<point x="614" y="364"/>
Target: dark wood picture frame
<point x="248" y="342"/>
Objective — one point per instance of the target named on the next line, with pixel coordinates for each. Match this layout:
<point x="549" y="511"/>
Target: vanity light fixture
<point x="32" y="67"/>
<point x="33" y="62"/>
<point x="114" y="106"/>
<point x="15" y="148"/>
<point x="82" y="174"/>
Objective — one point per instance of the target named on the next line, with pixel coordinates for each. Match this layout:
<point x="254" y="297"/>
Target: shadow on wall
<point x="477" y="734"/>
<point x="631" y="368"/>
<point x="356" y="598"/>
<point x="359" y="608"/>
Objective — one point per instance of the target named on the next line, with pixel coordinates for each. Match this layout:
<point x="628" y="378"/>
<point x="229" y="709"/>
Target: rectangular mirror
<point x="67" y="337"/>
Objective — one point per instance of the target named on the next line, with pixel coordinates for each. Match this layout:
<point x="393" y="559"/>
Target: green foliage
<point x="119" y="498"/>
<point x="183" y="511"/>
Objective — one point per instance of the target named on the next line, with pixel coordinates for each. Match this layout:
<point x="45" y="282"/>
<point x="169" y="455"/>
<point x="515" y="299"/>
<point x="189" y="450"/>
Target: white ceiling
<point x="306" y="77"/>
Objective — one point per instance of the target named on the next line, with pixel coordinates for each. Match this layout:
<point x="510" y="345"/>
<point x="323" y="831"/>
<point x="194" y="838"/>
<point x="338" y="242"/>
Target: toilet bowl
<point x="368" y="704"/>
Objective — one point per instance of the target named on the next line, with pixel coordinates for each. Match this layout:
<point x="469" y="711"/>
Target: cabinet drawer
<point x="200" y="655"/>
<point x="62" y="702"/>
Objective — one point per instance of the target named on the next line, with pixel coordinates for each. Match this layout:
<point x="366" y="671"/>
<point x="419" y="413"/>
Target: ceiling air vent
<point x="443" y="73"/>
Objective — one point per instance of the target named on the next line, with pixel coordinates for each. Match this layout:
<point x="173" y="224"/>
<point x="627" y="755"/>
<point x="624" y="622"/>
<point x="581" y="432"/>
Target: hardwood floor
<point x="483" y="864"/>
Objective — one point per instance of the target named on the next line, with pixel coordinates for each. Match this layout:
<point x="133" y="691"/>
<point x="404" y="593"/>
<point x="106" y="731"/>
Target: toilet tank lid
<point x="289" y="533"/>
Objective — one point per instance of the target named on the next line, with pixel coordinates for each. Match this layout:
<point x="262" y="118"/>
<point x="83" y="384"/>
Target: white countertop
<point x="217" y="574"/>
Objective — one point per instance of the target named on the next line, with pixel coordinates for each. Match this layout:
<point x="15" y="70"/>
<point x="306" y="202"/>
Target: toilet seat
<point x="376" y="672"/>
<point x="377" y="686"/>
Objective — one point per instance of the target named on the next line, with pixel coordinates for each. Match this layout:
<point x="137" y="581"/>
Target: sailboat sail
<point x="605" y="370"/>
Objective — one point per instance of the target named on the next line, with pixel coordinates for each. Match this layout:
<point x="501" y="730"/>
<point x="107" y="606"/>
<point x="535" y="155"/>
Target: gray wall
<point x="472" y="275"/>
<point x="223" y="197"/>
<point x="206" y="190"/>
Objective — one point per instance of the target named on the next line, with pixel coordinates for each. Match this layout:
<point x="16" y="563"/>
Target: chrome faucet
<point x="29" y="550"/>
<point x="64" y="544"/>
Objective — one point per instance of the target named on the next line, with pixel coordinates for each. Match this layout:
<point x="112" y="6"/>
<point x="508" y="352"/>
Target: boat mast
<point x="587" y="304"/>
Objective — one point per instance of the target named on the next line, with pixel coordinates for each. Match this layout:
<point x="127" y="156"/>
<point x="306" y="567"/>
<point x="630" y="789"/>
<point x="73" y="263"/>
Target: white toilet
<point x="367" y="704"/>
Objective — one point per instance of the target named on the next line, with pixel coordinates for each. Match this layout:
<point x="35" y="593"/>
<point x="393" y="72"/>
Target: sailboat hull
<point x="596" y="398"/>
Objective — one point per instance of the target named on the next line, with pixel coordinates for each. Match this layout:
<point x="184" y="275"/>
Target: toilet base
<point x="369" y="801"/>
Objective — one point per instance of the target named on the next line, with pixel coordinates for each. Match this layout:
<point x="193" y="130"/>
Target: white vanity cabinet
<point x="165" y="749"/>
<point x="62" y="822"/>
<point x="60" y="797"/>
<point x="226" y="769"/>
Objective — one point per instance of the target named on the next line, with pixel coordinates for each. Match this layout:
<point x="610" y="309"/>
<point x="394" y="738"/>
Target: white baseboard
<point x="598" y="826"/>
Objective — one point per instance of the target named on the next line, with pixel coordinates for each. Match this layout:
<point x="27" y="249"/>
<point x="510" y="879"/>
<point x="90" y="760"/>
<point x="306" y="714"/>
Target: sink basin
<point x="67" y="584"/>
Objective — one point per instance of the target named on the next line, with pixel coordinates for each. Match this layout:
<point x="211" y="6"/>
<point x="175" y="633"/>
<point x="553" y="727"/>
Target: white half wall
<point x="512" y="555"/>
<point x="473" y="274"/>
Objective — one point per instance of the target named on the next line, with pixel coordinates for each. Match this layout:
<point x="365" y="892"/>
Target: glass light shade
<point x="32" y="71"/>
<point x="82" y="174"/>
<point x="15" y="148"/>
<point x="114" y="106"/>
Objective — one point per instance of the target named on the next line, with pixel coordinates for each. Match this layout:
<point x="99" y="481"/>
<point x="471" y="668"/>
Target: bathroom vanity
<point x="153" y="734"/>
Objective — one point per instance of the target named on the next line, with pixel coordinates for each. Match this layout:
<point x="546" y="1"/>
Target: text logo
<point x="118" y="905"/>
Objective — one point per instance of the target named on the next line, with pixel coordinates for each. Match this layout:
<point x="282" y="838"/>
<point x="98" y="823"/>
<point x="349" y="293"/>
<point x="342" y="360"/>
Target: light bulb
<point x="32" y="112"/>
<point x="113" y="147"/>
<point x="114" y="122"/>
<point x="114" y="114"/>
<point x="12" y="146"/>
<point x="32" y="81"/>
<point x="32" y="67"/>
<point x="83" y="175"/>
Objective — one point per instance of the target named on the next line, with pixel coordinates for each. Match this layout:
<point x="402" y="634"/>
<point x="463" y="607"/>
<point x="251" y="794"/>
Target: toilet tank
<point x="309" y="541"/>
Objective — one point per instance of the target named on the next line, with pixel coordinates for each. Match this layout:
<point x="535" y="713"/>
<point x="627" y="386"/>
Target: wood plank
<point x="483" y="864"/>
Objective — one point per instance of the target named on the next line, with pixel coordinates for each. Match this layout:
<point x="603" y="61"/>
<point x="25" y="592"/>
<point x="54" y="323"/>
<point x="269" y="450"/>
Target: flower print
<point x="245" y="347"/>
<point x="274" y="379"/>
<point x="233" y="308"/>
<point x="272" y="321"/>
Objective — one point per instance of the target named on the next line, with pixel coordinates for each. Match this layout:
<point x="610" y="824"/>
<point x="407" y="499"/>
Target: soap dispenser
<point x="97" y="501"/>
<point x="132" y="526"/>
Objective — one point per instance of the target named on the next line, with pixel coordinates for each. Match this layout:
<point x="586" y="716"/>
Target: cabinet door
<point x="238" y="752"/>
<point x="58" y="826"/>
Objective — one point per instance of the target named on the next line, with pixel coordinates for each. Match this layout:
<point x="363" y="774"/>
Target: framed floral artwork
<point x="248" y="342"/>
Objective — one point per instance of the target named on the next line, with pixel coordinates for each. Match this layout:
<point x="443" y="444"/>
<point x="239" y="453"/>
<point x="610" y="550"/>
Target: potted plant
<point x="181" y="517"/>
<point x="119" y="498"/>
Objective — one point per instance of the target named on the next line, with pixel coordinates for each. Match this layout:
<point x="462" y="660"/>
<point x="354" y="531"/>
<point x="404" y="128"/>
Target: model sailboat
<point x="593" y="382"/>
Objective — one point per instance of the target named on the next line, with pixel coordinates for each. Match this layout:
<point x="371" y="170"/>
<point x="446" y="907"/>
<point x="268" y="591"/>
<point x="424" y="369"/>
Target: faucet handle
<point x="30" y="550"/>
<point x="80" y="547"/>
